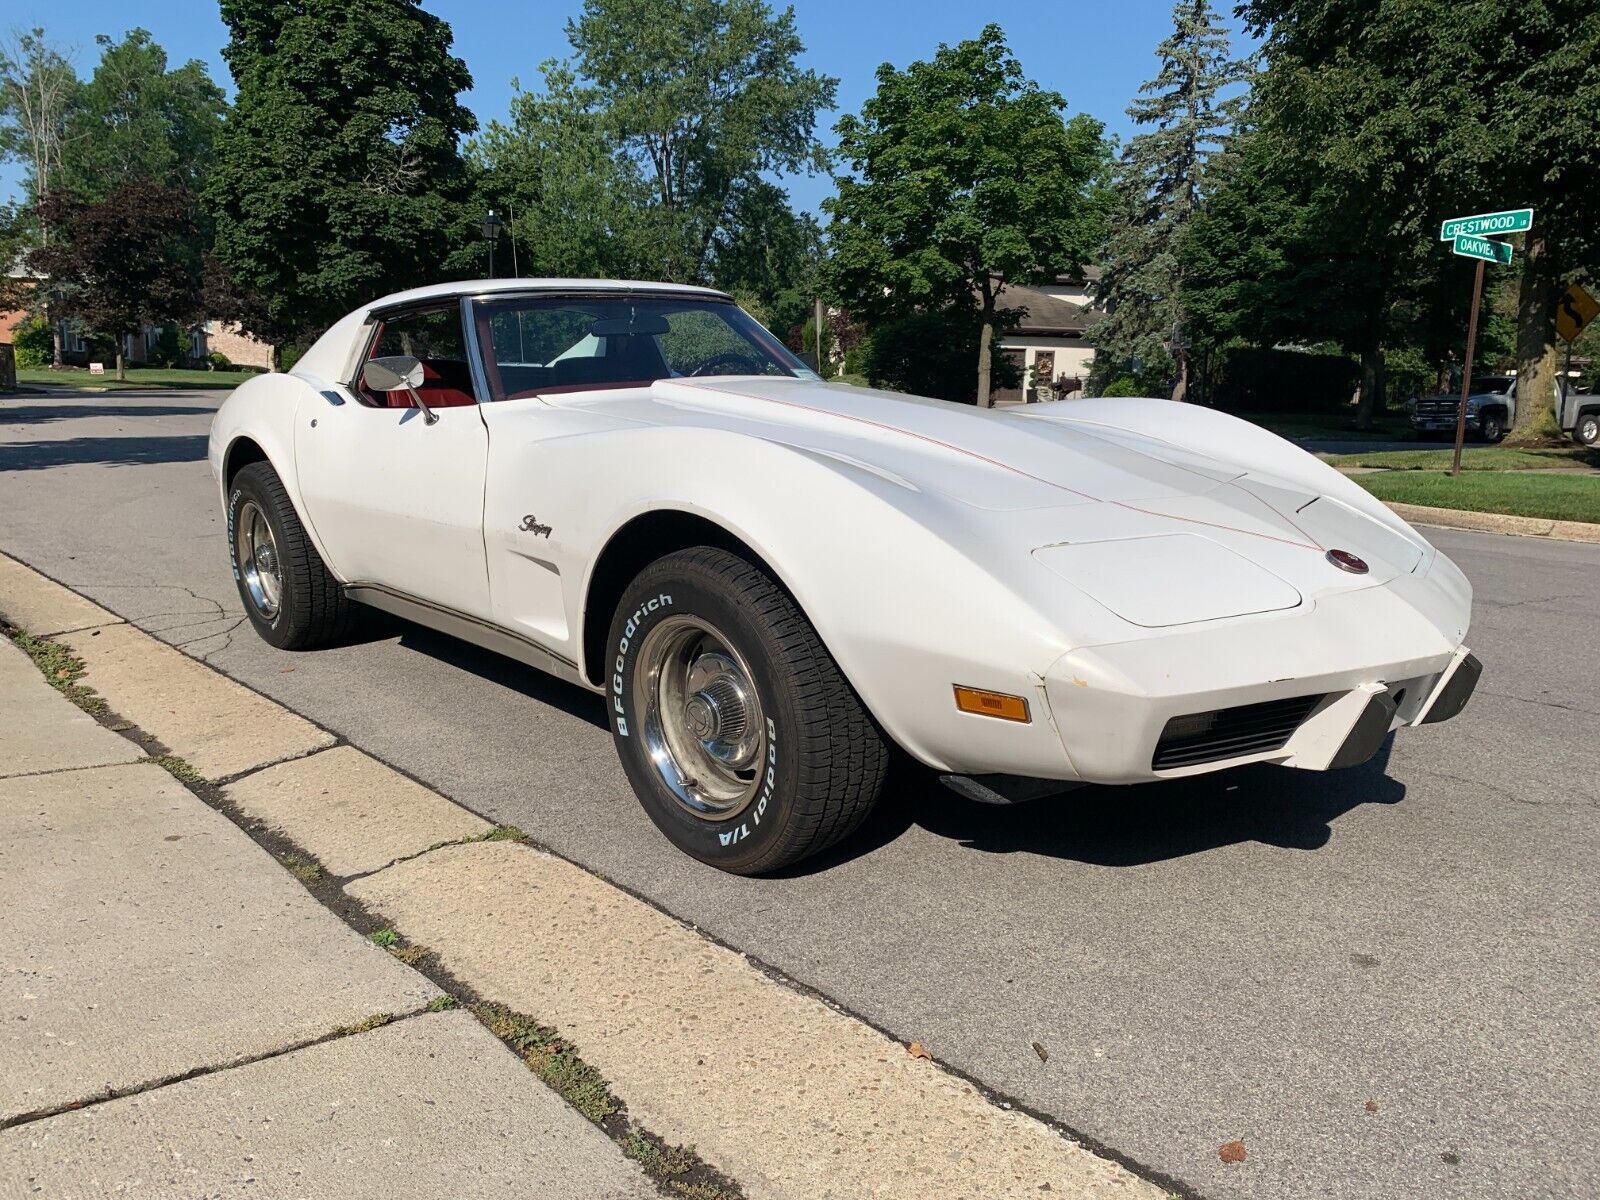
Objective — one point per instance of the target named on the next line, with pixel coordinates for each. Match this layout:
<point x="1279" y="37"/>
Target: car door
<point x="396" y="499"/>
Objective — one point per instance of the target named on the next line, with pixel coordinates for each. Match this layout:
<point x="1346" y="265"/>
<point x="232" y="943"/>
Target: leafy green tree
<point x="962" y="175"/>
<point x="135" y="117"/>
<point x="338" y="174"/>
<point x="1420" y="111"/>
<point x="119" y="289"/>
<point x="1160" y="182"/>
<point x="577" y="205"/>
<point x="707" y="96"/>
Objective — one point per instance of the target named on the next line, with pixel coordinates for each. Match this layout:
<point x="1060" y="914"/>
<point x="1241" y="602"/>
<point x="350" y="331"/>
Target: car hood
<point x="1050" y="481"/>
<point x="989" y="459"/>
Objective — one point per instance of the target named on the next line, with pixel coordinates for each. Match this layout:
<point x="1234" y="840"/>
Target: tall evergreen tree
<point x="338" y="173"/>
<point x="1159" y="186"/>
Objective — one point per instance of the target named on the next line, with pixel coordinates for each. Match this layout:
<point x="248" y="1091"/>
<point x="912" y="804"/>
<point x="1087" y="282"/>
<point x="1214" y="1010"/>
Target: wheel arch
<point x="635" y="545"/>
<point x="241" y="452"/>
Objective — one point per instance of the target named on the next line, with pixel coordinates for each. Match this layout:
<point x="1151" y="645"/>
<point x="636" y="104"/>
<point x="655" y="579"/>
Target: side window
<point x="434" y="337"/>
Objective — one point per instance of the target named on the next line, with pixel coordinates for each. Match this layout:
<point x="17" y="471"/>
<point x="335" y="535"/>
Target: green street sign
<point x="1477" y="247"/>
<point x="1515" y="220"/>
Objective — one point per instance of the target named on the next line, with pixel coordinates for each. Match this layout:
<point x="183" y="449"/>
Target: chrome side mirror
<point x="398" y="373"/>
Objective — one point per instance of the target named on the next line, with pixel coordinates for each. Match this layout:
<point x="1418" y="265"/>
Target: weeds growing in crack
<point x="440" y="1004"/>
<point x="180" y="769"/>
<point x="303" y="869"/>
<point x="365" y="1025"/>
<point x="61" y="668"/>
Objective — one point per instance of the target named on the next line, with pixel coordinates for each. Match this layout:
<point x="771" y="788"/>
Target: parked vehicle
<point x="1492" y="409"/>
<point x="772" y="581"/>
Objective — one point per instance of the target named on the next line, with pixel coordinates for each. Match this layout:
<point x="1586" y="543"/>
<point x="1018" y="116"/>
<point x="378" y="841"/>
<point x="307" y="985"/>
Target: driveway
<point x="1382" y="980"/>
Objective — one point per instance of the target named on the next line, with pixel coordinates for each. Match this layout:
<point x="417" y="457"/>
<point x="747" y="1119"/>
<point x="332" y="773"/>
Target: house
<point x="1050" y="344"/>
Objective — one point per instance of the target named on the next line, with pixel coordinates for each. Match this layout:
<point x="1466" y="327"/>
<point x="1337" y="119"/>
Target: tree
<point x="707" y="96"/>
<point x="1159" y="186"/>
<point x="962" y="176"/>
<point x="135" y="117"/>
<point x="1420" y="111"/>
<point x="131" y="255"/>
<point x="38" y="89"/>
<point x="576" y="204"/>
<point x="338" y="174"/>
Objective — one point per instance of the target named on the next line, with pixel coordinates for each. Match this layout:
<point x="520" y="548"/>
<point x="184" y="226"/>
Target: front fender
<point x="903" y="585"/>
<point x="264" y="410"/>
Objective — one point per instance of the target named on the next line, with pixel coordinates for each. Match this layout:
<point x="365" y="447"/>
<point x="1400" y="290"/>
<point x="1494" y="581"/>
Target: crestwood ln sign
<point x="1513" y="220"/>
<point x="1466" y="238"/>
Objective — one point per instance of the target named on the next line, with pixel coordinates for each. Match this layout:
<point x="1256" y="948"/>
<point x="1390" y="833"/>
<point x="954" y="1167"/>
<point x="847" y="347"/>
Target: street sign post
<point x="1513" y="220"/>
<point x="1470" y="246"/>
<point x="1466" y="238"/>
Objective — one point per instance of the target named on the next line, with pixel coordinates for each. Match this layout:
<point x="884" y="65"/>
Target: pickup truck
<point x="1492" y="409"/>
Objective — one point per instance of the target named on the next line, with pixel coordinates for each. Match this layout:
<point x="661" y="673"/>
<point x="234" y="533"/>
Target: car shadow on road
<point x="104" y="451"/>
<point x="40" y="414"/>
<point x="1132" y="826"/>
<point x="496" y="668"/>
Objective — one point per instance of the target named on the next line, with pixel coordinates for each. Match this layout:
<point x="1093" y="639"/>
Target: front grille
<point x="1230" y="732"/>
<point x="1438" y="408"/>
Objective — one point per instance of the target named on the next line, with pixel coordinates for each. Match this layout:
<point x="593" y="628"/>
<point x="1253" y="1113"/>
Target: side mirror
<point x="397" y="373"/>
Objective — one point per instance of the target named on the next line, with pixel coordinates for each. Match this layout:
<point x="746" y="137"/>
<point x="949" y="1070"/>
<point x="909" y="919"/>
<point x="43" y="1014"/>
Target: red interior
<point x="446" y="383"/>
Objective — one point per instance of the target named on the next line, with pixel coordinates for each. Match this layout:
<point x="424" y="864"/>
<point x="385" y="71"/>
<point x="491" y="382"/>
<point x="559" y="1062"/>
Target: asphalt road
<point x="1253" y="955"/>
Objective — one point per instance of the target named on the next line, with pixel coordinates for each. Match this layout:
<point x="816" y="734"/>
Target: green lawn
<point x="1474" y="458"/>
<point x="138" y="378"/>
<point x="1559" y="497"/>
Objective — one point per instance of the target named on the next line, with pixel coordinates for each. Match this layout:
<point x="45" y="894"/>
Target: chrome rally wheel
<point x="700" y="717"/>
<point x="738" y="732"/>
<point x="256" y="553"/>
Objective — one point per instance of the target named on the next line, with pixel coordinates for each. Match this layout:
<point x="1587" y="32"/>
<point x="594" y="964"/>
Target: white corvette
<point x="773" y="580"/>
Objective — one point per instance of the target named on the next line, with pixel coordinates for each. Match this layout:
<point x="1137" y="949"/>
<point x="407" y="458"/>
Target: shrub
<point x="1123" y="385"/>
<point x="935" y="354"/>
<point x="33" y="343"/>
<point x="167" y="351"/>
<point x="218" y="361"/>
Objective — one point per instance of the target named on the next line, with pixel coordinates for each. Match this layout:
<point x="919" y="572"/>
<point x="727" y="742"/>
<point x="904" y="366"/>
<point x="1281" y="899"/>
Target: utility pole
<point x="818" y="338"/>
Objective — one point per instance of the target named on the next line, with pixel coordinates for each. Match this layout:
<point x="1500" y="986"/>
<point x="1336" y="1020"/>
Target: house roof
<point x="1046" y="315"/>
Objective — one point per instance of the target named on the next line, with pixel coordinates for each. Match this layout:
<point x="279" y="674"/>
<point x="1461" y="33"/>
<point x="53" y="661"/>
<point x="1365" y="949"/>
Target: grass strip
<point x="1475" y="458"/>
<point x="1553" y="497"/>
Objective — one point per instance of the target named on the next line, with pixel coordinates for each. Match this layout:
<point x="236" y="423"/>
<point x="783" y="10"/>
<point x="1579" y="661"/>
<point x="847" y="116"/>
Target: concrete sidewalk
<point x="179" y="1016"/>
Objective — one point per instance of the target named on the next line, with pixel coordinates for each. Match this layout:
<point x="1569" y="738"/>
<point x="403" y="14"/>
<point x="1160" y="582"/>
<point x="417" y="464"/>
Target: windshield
<point x="535" y="345"/>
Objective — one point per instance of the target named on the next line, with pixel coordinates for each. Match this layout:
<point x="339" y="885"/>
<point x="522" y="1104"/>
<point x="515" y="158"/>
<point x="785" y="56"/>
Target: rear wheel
<point x="738" y="732"/>
<point x="1587" y="431"/>
<point x="290" y="596"/>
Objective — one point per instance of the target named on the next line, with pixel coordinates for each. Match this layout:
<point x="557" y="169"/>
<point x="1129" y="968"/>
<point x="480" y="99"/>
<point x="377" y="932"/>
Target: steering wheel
<point x="732" y="358"/>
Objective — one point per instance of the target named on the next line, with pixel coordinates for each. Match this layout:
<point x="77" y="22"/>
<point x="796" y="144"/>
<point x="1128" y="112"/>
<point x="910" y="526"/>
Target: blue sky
<point x="1095" y="54"/>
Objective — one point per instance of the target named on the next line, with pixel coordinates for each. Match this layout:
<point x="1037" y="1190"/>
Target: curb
<point x="1483" y="522"/>
<point x="782" y="1090"/>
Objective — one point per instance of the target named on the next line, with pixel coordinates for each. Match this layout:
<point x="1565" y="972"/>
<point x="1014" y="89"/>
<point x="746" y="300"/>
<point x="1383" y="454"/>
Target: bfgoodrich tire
<point x="291" y="598"/>
<point x="741" y="737"/>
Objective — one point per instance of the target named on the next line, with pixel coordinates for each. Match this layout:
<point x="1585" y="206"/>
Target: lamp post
<point x="491" y="235"/>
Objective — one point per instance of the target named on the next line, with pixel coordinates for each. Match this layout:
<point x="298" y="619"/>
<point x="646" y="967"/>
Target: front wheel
<point x="1492" y="429"/>
<point x="738" y="732"/>
<point x="290" y="596"/>
<point x="1587" y="431"/>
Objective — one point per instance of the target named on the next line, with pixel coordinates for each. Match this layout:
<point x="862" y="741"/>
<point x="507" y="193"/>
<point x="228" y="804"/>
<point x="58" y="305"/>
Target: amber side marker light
<point x="991" y="704"/>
